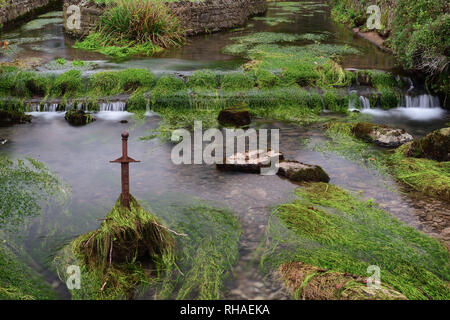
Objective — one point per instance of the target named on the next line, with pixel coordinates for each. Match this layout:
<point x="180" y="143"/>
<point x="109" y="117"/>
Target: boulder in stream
<point x="236" y="117"/>
<point x="78" y="117"/>
<point x="253" y="161"/>
<point x="299" y="172"/>
<point x="13" y="117"/>
<point x="381" y="135"/>
<point x="434" y="146"/>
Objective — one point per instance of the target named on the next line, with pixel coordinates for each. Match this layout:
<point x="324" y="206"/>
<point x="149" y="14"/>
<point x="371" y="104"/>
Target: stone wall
<point x="16" y="9"/>
<point x="196" y="16"/>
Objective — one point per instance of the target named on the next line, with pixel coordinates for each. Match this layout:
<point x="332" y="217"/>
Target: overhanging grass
<point x="201" y="260"/>
<point x="331" y="228"/>
<point x="130" y="249"/>
<point x="135" y="27"/>
<point x="429" y="177"/>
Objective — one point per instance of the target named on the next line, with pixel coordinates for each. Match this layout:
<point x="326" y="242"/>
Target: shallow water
<point x="81" y="155"/>
<point x="47" y="41"/>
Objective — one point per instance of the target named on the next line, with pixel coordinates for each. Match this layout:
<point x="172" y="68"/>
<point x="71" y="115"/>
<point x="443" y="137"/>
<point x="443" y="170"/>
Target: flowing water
<point x="81" y="155"/>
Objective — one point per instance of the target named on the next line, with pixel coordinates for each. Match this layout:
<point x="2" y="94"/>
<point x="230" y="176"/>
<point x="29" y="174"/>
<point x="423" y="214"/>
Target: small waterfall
<point x="112" y="106"/>
<point x="56" y="106"/>
<point x="365" y="102"/>
<point x="46" y="107"/>
<point x="422" y="101"/>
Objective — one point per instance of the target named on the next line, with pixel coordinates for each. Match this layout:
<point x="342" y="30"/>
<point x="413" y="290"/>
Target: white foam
<point x="112" y="115"/>
<point x="46" y="114"/>
<point x="423" y="114"/>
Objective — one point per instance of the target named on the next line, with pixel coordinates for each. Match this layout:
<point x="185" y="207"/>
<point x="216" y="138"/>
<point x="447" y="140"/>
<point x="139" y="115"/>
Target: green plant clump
<point x="135" y="27"/>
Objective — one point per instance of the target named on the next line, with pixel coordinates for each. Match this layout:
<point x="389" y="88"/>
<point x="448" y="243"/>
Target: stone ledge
<point x="202" y="17"/>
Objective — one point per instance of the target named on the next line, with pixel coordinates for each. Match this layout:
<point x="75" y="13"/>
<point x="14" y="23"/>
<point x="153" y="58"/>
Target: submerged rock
<point x="13" y="117"/>
<point x="237" y="117"/>
<point x="434" y="146"/>
<point x="381" y="135"/>
<point x="312" y="283"/>
<point x="78" y="117"/>
<point x="297" y="171"/>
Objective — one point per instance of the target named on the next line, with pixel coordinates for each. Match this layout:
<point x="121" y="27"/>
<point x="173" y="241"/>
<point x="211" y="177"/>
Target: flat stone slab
<point x="249" y="162"/>
<point x="253" y="161"/>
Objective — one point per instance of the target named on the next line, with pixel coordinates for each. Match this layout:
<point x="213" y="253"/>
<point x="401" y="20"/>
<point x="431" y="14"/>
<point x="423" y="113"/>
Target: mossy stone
<point x="13" y="117"/>
<point x="78" y="117"/>
<point x="237" y="117"/>
<point x="434" y="146"/>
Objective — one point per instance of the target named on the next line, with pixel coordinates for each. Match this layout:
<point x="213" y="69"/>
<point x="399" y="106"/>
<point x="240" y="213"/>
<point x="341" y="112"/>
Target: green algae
<point x="330" y="228"/>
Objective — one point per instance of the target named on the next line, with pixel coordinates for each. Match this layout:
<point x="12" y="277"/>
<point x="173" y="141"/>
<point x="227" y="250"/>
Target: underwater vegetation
<point x="191" y="262"/>
<point x="429" y="177"/>
<point x="330" y="228"/>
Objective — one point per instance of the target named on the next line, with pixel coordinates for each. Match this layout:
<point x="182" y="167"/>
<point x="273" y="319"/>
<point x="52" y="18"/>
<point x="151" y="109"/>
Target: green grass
<point x="237" y="81"/>
<point x="135" y="27"/>
<point x="333" y="229"/>
<point x="204" y="252"/>
<point x="203" y="79"/>
<point x="429" y="177"/>
<point x="69" y="84"/>
<point x="20" y="282"/>
<point x="25" y="185"/>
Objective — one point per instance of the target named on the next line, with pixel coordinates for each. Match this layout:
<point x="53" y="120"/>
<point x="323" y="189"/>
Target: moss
<point x="429" y="177"/>
<point x="203" y="79"/>
<point x="266" y="79"/>
<point x="237" y="117"/>
<point x="334" y="101"/>
<point x="78" y="117"/>
<point x="68" y="84"/>
<point x="362" y="130"/>
<point x="123" y="251"/>
<point x="105" y="83"/>
<point x="137" y="101"/>
<point x="330" y="228"/>
<point x="426" y="176"/>
<point x="308" y="282"/>
<point x="389" y="98"/>
<point x="305" y="173"/>
<point x="114" y="82"/>
<point x="267" y="37"/>
<point x="434" y="146"/>
<point x="13" y="117"/>
<point x="237" y="81"/>
<point x="132" y="79"/>
<point x="170" y="92"/>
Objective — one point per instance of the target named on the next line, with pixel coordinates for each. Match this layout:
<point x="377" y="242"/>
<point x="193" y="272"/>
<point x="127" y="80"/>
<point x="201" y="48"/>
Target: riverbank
<point x="417" y="32"/>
